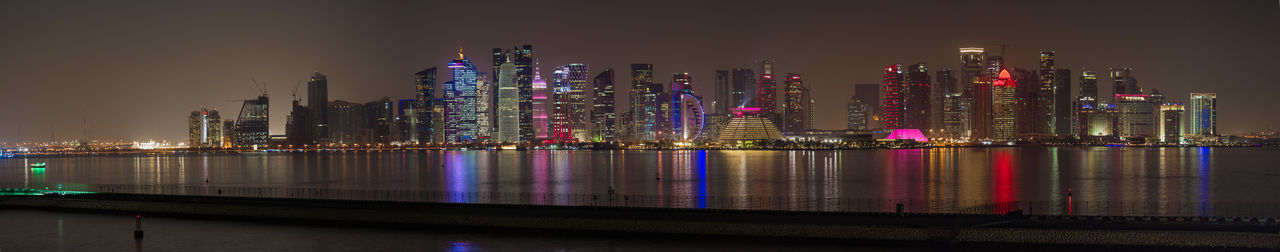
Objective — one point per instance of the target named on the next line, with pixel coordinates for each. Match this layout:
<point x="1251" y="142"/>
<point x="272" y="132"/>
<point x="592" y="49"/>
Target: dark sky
<point x="135" y="69"/>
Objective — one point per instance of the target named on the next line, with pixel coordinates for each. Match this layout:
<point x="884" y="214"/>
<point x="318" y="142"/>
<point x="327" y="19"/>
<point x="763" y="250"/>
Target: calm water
<point x="1175" y="178"/>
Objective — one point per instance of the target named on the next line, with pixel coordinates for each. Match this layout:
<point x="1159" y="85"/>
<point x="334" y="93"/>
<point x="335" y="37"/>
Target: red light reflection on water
<point x="1004" y="191"/>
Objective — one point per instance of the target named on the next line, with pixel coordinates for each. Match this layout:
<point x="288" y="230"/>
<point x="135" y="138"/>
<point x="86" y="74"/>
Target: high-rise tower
<point x="522" y="57"/>
<point x="508" y="103"/>
<point x="795" y="115"/>
<point x="1063" y="124"/>
<point x="891" y="96"/>
<point x="724" y="93"/>
<point x="317" y="101"/>
<point x="603" y="116"/>
<point x="642" y="111"/>
<point x="1204" y="114"/>
<point x="423" y="127"/>
<point x="1003" y="109"/>
<point x="916" y="104"/>
<point x="463" y="101"/>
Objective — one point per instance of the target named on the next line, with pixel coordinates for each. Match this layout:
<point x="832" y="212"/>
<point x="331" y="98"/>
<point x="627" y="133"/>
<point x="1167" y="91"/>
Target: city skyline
<point x="146" y="88"/>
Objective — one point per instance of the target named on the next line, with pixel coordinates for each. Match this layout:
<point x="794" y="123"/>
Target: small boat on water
<point x="37" y="165"/>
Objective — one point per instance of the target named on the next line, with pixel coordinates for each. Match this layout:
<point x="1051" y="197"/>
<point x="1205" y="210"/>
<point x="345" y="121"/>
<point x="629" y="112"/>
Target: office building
<point x="1135" y="116"/>
<point x="603" y="117"/>
<point x="1204" y="114"/>
<point x="541" y="114"/>
<point x="795" y="114"/>
<point x="643" y="117"/>
<point x="523" y="58"/>
<point x="253" y="125"/>
<point x="1171" y="123"/>
<point x="318" y="100"/>
<point x="462" y="126"/>
<point x="1063" y="124"/>
<point x="1003" y="110"/>
<point x="891" y="96"/>
<point x="916" y="98"/>
<point x="484" y="106"/>
<point x="562" y="106"/>
<point x="744" y="86"/>
<point x="724" y="93"/>
<point x="508" y="103"/>
<point x="204" y="129"/>
<point x="424" y="128"/>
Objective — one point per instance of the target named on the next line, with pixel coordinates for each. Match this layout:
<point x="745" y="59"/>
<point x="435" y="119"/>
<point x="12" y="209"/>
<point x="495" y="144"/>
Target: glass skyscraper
<point x="603" y="115"/>
<point x="1204" y="114"/>
<point x="508" y="104"/>
<point x="462" y="102"/>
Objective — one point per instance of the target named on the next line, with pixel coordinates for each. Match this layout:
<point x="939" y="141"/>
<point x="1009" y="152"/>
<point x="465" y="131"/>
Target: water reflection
<point x="1168" y="180"/>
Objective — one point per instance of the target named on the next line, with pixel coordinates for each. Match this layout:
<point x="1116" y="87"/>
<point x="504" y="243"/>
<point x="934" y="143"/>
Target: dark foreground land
<point x="917" y="230"/>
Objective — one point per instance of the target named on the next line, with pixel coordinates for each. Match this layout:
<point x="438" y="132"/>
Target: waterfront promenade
<point x="1014" y="227"/>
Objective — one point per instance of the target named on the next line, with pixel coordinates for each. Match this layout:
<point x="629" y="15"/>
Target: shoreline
<point x="927" y="230"/>
<point x="414" y="149"/>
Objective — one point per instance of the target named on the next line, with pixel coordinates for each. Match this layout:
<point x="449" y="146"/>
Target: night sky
<point x="135" y="69"/>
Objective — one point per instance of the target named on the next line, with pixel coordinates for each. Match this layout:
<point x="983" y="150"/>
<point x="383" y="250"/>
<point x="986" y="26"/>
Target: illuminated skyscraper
<point x="1171" y="123"/>
<point x="1204" y="114"/>
<point x="500" y="56"/>
<point x="463" y="126"/>
<point x="204" y="129"/>
<point x="692" y="118"/>
<point x="562" y="105"/>
<point x="253" y="125"/>
<point x="994" y="65"/>
<point x="1089" y="88"/>
<point x="578" y="118"/>
<point x="971" y="61"/>
<point x="508" y="103"/>
<point x="916" y="104"/>
<point x="891" y="96"/>
<point x="724" y="94"/>
<point x="602" y="116"/>
<point x="423" y="128"/>
<point x="681" y="84"/>
<point x="856" y="114"/>
<point x="767" y="94"/>
<point x="318" y="100"/>
<point x="1135" y="116"/>
<point x="941" y="103"/>
<point x="523" y="58"/>
<point x="1044" y="99"/>
<point x="484" y="106"/>
<point x="1003" y="109"/>
<point x="541" y="115"/>
<point x="642" y="111"/>
<point x="795" y="114"/>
